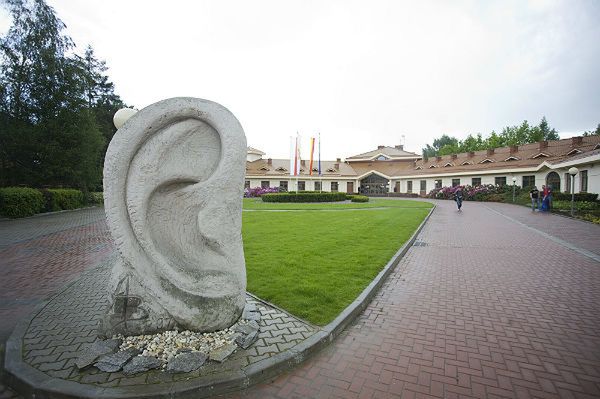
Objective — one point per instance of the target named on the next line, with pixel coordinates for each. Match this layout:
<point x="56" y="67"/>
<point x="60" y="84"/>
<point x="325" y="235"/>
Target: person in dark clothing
<point x="458" y="197"/>
<point x="534" y="194"/>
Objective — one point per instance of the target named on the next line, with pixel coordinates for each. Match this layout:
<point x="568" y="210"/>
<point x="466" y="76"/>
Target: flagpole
<point x="320" y="175"/>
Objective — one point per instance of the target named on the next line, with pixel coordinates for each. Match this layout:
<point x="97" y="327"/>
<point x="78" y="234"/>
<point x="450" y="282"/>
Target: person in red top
<point x="545" y="198"/>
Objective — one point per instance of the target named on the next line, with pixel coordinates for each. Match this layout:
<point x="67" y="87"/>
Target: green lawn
<point x="314" y="263"/>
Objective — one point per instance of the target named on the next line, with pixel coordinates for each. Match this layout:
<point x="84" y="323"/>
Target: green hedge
<point x="65" y="199"/>
<point x="359" y="198"/>
<point x="590" y="197"/>
<point x="20" y="202"/>
<point x="95" y="198"/>
<point x="304" y="197"/>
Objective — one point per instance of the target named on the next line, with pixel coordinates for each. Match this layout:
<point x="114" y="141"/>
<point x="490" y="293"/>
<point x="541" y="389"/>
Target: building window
<point x="500" y="181"/>
<point x="423" y="185"/>
<point x="283" y="185"/>
<point x="528" y="181"/>
<point x="264" y="184"/>
<point x="583" y="176"/>
<point x="476" y="181"/>
<point x="317" y="186"/>
<point x="455" y="182"/>
<point x="438" y="184"/>
<point x="247" y="184"/>
<point x="409" y="186"/>
<point x="301" y="185"/>
<point x="568" y="183"/>
<point x="334" y="186"/>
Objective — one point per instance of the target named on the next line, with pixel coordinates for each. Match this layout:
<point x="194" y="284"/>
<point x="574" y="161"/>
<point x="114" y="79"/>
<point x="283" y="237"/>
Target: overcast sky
<point x="363" y="73"/>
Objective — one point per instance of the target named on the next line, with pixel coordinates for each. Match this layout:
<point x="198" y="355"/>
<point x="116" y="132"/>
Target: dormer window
<point x="418" y="168"/>
<point x="315" y="169"/>
<point x="574" y="151"/>
<point x="448" y="164"/>
<point x="466" y="163"/>
<point x="540" y="155"/>
<point x="264" y="168"/>
<point x="381" y="158"/>
<point x="487" y="160"/>
<point x="331" y="170"/>
<point x="281" y="169"/>
<point x="597" y="147"/>
<point x="511" y="158"/>
<point x="432" y="166"/>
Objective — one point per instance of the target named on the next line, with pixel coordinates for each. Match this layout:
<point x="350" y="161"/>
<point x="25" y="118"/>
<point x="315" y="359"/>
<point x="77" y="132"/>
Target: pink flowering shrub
<point x="470" y="193"/>
<point x="258" y="191"/>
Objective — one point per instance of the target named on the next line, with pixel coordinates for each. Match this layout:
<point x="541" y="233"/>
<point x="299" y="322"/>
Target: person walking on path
<point x="534" y="194"/>
<point x="458" y="197"/>
<point x="545" y="198"/>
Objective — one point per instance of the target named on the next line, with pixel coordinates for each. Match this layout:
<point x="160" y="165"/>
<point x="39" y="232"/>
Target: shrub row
<point x="357" y="198"/>
<point x="304" y="197"/>
<point x="18" y="202"/>
<point x="587" y="197"/>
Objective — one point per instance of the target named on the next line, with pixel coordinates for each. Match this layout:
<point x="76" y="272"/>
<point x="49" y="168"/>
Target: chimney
<point x="399" y="147"/>
<point x="543" y="145"/>
<point x="336" y="166"/>
<point x="514" y="148"/>
<point x="454" y="156"/>
<point x="338" y="160"/>
<point x="490" y="151"/>
<point x="438" y="158"/>
<point x="269" y="161"/>
<point x="302" y="162"/>
<point x="471" y="154"/>
<point x="379" y="147"/>
<point x="576" y="140"/>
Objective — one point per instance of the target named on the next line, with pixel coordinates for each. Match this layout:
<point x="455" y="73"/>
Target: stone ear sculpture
<point x="173" y="187"/>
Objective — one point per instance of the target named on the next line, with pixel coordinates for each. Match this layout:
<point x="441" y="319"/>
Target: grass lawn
<point x="314" y="263"/>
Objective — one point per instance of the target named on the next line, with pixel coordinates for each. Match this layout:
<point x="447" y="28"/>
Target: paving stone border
<point x="41" y="352"/>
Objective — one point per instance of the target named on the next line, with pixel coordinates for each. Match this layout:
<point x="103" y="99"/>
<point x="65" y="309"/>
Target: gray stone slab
<point x="140" y="364"/>
<point x="115" y="362"/>
<point x="92" y="352"/>
<point x="249" y="328"/>
<point x="223" y="352"/>
<point x="244" y="341"/>
<point x="187" y="362"/>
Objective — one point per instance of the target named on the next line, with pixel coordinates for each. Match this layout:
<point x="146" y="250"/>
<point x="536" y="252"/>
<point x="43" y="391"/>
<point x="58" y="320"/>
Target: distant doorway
<point x="374" y="185"/>
<point x="350" y="187"/>
<point x="553" y="181"/>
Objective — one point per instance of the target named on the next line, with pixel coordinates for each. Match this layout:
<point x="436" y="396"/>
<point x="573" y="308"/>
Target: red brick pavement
<point x="487" y="309"/>
<point x="34" y="269"/>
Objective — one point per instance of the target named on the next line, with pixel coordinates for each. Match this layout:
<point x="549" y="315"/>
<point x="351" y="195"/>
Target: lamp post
<point x="514" y="179"/>
<point x="573" y="171"/>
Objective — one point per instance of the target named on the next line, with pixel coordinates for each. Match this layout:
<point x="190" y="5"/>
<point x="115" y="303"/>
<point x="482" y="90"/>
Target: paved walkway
<point x="482" y="306"/>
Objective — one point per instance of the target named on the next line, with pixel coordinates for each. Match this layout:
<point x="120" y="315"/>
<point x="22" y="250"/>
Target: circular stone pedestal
<point x="41" y="353"/>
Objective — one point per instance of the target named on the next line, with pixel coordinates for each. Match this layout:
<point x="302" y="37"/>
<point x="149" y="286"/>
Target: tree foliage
<point x="593" y="132"/>
<point x="510" y="135"/>
<point x="56" y="107"/>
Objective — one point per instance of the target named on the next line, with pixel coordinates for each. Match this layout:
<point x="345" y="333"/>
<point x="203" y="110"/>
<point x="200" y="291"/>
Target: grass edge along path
<point x="314" y="264"/>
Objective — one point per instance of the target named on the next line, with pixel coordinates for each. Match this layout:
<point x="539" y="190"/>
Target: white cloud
<point x="361" y="73"/>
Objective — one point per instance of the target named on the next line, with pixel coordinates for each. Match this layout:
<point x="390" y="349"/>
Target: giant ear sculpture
<point x="173" y="187"/>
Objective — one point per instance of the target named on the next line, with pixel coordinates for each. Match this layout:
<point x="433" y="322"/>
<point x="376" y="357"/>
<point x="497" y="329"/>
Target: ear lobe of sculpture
<point x="173" y="173"/>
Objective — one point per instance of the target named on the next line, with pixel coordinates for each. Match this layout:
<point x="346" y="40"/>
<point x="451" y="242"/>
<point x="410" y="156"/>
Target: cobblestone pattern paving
<point x="31" y="270"/>
<point x="582" y="234"/>
<point x="13" y="231"/>
<point x="70" y="321"/>
<point x="479" y="307"/>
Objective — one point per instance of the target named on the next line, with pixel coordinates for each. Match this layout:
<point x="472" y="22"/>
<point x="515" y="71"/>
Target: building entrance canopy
<point x="374" y="184"/>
